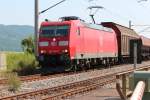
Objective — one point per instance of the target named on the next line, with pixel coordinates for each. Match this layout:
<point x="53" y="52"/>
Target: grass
<point x="22" y="63"/>
<point x="14" y="82"/>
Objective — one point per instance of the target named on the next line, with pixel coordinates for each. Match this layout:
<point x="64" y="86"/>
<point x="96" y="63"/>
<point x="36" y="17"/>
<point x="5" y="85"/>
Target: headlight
<point x="43" y="51"/>
<point x="63" y="43"/>
<point x="65" y="51"/>
<point x="43" y="43"/>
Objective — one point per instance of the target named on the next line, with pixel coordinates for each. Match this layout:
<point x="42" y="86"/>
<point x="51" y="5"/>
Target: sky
<point x="21" y="12"/>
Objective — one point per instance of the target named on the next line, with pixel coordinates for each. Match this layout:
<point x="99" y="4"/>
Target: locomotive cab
<point x="53" y="43"/>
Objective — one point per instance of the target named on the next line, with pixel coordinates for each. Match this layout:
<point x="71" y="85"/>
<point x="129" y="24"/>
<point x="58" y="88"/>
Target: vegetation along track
<point x="63" y="91"/>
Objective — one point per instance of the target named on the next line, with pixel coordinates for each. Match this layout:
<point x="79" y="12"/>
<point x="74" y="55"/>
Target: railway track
<point x="36" y="77"/>
<point x="64" y="91"/>
<point x="22" y="78"/>
<point x="67" y="90"/>
<point x="88" y="86"/>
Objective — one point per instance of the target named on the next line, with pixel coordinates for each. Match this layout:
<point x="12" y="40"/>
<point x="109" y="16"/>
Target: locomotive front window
<point x="52" y="31"/>
<point x="62" y="30"/>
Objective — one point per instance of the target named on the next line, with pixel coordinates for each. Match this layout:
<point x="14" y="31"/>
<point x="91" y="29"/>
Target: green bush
<point x="23" y="63"/>
<point x="13" y="59"/>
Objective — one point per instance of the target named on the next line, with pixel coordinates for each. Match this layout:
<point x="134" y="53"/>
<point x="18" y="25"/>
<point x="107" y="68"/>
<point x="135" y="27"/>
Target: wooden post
<point x="118" y="88"/>
<point x="124" y="84"/>
<point x="146" y="69"/>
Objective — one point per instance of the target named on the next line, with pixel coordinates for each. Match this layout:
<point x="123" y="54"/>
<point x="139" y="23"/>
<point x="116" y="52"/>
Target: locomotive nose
<point x="54" y="46"/>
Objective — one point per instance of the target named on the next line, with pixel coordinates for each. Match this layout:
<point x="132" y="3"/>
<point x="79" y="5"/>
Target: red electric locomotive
<point x="72" y="44"/>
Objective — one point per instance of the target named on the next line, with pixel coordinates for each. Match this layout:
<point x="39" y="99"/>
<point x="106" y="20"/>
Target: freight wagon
<point x="125" y="39"/>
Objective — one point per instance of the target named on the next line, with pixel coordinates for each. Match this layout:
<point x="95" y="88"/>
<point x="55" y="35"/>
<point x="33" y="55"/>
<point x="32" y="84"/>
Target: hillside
<point x="11" y="36"/>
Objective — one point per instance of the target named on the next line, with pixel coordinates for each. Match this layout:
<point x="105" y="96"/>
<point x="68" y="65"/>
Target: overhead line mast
<point x="36" y="26"/>
<point x="36" y="22"/>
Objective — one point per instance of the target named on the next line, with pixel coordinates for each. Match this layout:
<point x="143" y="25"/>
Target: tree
<point x="28" y="45"/>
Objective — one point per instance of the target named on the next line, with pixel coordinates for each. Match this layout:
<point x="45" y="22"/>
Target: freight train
<point x="72" y="44"/>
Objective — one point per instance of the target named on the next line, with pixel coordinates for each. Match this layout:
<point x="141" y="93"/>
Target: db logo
<point x="53" y="43"/>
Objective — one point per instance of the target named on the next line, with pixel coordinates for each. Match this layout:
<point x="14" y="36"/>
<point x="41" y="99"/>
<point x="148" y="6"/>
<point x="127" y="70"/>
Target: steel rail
<point x="79" y="90"/>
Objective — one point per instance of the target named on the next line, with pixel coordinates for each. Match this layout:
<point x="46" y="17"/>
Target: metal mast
<point x="36" y="24"/>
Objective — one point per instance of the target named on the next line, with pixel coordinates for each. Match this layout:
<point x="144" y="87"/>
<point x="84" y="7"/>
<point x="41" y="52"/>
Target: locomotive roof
<point x="89" y="25"/>
<point x="122" y="29"/>
<point x="97" y="26"/>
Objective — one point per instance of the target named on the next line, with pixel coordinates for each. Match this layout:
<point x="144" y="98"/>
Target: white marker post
<point x="139" y="91"/>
